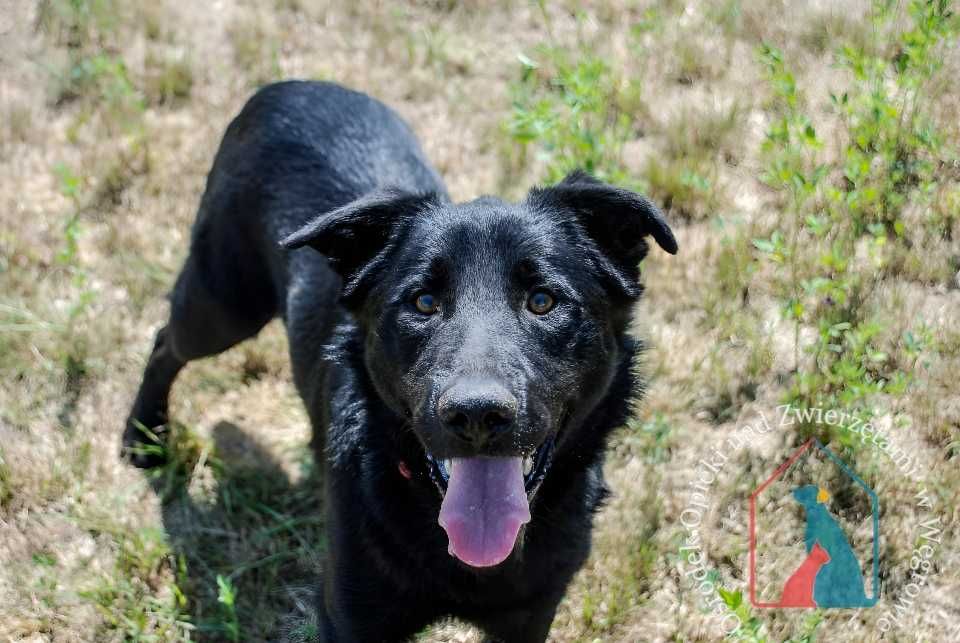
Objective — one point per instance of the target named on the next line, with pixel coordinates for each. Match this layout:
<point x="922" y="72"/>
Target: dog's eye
<point x="540" y="302"/>
<point x="426" y="303"/>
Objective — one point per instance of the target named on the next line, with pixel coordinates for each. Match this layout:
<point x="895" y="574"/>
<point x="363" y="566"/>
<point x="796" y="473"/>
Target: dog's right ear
<point x="356" y="237"/>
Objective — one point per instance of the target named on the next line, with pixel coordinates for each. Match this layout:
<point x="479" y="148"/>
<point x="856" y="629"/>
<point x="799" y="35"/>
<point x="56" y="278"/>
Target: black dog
<point x="462" y="364"/>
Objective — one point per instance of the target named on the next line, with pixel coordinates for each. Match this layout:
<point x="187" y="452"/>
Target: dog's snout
<point x="477" y="410"/>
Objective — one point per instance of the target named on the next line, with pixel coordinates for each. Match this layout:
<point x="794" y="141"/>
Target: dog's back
<point x="297" y="149"/>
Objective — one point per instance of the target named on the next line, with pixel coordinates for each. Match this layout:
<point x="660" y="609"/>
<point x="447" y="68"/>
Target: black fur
<point x="321" y="168"/>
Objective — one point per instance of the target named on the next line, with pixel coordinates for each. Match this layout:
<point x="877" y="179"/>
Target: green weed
<point x="843" y="213"/>
<point x="693" y="62"/>
<point x="74" y="344"/>
<point x="651" y="438"/>
<point x="6" y="486"/>
<point x="183" y="453"/>
<point x="751" y="627"/>
<point x="685" y="186"/>
<point x="575" y="111"/>
<point x="227" y="597"/>
<point x="77" y="24"/>
<point x="126" y="597"/>
<point x="893" y="144"/>
<point x="168" y="80"/>
<point x="624" y="584"/>
<point x="255" y="48"/>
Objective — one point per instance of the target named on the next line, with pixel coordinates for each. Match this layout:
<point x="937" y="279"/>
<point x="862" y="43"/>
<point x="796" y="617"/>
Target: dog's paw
<point x="144" y="447"/>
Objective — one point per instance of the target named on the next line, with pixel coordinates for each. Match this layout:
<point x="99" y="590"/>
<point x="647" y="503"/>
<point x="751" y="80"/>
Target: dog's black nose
<point x="476" y="410"/>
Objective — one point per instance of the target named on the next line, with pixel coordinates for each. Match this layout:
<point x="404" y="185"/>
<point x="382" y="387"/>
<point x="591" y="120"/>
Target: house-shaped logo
<point x="814" y="535"/>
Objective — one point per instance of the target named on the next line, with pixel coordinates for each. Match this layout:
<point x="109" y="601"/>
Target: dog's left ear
<point x="357" y="237"/>
<point x="617" y="220"/>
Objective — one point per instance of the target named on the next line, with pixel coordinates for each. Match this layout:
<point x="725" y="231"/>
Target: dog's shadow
<point x="247" y="541"/>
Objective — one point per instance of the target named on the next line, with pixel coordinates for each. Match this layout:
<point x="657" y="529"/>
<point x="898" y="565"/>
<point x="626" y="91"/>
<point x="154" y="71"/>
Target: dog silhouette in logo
<point x="798" y="590"/>
<point x="839" y="582"/>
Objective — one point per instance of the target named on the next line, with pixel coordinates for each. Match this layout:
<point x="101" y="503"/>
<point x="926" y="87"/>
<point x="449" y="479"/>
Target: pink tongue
<point x="483" y="509"/>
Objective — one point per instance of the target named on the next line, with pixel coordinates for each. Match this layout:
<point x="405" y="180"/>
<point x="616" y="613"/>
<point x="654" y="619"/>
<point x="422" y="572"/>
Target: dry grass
<point x="109" y="116"/>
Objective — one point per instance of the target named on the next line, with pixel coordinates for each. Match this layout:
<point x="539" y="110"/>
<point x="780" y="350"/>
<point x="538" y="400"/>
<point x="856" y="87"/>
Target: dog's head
<point x="494" y="328"/>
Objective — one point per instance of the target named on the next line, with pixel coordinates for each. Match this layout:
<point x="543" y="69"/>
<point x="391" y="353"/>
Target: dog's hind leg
<point x="214" y="305"/>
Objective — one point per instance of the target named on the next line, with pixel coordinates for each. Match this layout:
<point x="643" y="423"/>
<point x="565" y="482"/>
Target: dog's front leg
<point x="529" y="624"/>
<point x="359" y="604"/>
<point x="371" y="615"/>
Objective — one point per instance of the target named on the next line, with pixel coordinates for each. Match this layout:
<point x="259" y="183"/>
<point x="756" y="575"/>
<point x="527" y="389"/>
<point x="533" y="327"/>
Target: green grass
<point x="572" y="110"/>
<point x="694" y="63"/>
<point x="125" y="598"/>
<point x="234" y="530"/>
<point x="168" y="80"/>
<point x="685" y="187"/>
<point x="6" y="491"/>
<point x="839" y="206"/>
<point x="255" y="48"/>
<point x="610" y="597"/>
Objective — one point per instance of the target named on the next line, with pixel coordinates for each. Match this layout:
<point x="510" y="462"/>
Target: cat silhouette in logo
<point x="798" y="590"/>
<point x="839" y="583"/>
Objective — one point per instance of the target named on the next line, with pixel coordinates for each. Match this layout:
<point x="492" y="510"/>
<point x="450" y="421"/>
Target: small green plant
<point x="126" y="603"/>
<point x="6" y="487"/>
<point x="808" y="631"/>
<point x="227" y="597"/>
<point x="44" y="559"/>
<point x="751" y="627"/>
<point x="892" y="143"/>
<point x="578" y="108"/>
<point x="105" y="77"/>
<point x="183" y="453"/>
<point x="651" y="438"/>
<point x="841" y="216"/>
<point x="790" y="148"/>
<point x="575" y="110"/>
<point x="684" y="185"/>
<point x="83" y="28"/>
<point x="168" y="80"/>
<point x="75" y="347"/>
<point x="93" y="73"/>
<point x="256" y="49"/>
<point x="624" y="583"/>
<point x="76" y="24"/>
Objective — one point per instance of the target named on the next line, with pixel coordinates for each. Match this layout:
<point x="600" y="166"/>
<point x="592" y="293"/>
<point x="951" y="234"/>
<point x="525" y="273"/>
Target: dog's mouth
<point x="534" y="469"/>
<point x="486" y="501"/>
